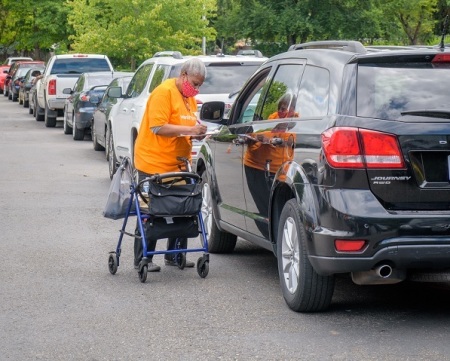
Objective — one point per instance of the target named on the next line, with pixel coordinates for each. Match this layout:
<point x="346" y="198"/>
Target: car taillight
<point x="51" y="87"/>
<point x="441" y="58"/>
<point x="360" y="148"/>
<point x="199" y="101"/>
<point x="349" y="245"/>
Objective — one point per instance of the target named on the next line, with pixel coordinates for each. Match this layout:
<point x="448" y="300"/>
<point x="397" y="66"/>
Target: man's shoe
<point x="171" y="262"/>
<point x="152" y="267"/>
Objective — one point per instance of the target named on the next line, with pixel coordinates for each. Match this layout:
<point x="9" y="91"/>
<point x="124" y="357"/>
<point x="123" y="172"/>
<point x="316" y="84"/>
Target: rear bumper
<point x="84" y="118"/>
<point x="404" y="240"/>
<point x="435" y="255"/>
<point x="57" y="103"/>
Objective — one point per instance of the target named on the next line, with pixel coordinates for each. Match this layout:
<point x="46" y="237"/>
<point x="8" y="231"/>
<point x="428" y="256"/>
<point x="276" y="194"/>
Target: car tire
<point x="95" y="143"/>
<point x="66" y="127"/>
<point x="218" y="241"/>
<point x="112" y="159"/>
<point x="50" y="122"/>
<point x="39" y="116"/>
<point x="77" y="134"/>
<point x="304" y="290"/>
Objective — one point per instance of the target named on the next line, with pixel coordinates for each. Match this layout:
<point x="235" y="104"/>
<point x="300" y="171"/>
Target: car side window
<point x="248" y="111"/>
<point x="280" y="100"/>
<point x="313" y="97"/>
<point x="137" y="84"/>
<point x="158" y="77"/>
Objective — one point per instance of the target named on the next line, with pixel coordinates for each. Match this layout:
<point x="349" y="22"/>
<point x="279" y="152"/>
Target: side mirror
<point x="212" y="112"/>
<point x="115" y="92"/>
<point x="67" y="91"/>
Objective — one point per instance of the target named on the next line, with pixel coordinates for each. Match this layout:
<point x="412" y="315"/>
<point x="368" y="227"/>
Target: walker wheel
<point x="202" y="267"/>
<point x="143" y="273"/>
<point x="112" y="263"/>
<point x="180" y="258"/>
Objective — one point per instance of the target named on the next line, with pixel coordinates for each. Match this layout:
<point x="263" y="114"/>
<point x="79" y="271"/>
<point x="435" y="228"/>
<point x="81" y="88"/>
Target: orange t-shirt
<point x="156" y="153"/>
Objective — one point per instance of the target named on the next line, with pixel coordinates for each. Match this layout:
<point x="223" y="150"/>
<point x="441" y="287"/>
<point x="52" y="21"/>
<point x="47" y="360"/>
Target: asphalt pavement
<point x="58" y="300"/>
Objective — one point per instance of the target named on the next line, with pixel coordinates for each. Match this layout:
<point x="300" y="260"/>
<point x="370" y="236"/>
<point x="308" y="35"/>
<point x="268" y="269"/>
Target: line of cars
<point x="353" y="179"/>
<point x="109" y="105"/>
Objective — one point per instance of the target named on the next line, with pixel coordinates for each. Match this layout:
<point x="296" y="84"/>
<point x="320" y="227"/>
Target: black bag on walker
<point x="167" y="199"/>
<point x="119" y="193"/>
<point x="168" y="227"/>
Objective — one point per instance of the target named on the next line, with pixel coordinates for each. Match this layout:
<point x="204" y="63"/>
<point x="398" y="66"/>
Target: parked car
<point x="224" y="74"/>
<point x="78" y="109"/>
<point x="61" y="72"/>
<point x="101" y="127"/>
<point x="26" y="83"/>
<point x="12" y="59"/>
<point x="4" y="69"/>
<point x="17" y="71"/>
<point x="355" y="180"/>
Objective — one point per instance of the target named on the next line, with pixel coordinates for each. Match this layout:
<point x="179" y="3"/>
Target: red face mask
<point x="188" y="90"/>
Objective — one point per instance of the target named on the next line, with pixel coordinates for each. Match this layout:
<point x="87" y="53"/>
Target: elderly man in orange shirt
<point x="168" y="125"/>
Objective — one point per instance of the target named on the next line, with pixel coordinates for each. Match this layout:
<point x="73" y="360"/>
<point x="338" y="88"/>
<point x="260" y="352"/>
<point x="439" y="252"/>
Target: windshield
<point x="385" y="91"/>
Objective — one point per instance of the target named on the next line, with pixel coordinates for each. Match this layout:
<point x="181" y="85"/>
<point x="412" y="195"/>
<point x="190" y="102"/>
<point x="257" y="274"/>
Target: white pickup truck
<point x="62" y="71"/>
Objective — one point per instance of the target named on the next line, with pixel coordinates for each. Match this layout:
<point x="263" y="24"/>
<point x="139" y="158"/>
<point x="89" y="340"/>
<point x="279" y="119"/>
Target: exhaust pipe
<point x="384" y="271"/>
<point x="380" y="275"/>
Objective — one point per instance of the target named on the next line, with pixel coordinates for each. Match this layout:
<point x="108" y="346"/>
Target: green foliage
<point x="129" y="31"/>
<point x="134" y="30"/>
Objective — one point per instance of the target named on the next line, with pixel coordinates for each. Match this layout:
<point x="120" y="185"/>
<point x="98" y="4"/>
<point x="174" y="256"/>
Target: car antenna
<point x="444" y="30"/>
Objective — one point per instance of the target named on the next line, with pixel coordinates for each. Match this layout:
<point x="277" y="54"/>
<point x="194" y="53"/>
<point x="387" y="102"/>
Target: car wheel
<point x="78" y="134"/>
<point x="304" y="290"/>
<point x="95" y="143"/>
<point x="66" y="127"/>
<point x="112" y="160"/>
<point x="50" y="122"/>
<point x="38" y="111"/>
<point x="218" y="241"/>
<point x="9" y="96"/>
<point x="19" y="98"/>
<point x="25" y="103"/>
<point x="30" y="109"/>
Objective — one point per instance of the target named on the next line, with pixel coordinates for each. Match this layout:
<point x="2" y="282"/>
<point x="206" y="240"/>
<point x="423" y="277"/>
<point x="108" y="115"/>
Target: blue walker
<point x="164" y="225"/>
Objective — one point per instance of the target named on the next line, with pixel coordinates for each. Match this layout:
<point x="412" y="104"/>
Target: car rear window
<point x="79" y="65"/>
<point x="386" y="90"/>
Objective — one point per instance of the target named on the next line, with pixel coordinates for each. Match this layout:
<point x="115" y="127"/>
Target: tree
<point x="131" y="31"/>
<point x="32" y="28"/>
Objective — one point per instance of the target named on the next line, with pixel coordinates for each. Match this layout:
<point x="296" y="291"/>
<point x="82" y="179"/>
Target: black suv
<point x="337" y="159"/>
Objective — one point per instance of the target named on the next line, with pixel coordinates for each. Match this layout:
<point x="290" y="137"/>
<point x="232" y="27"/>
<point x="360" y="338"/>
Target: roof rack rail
<point x="173" y="54"/>
<point x="350" y="45"/>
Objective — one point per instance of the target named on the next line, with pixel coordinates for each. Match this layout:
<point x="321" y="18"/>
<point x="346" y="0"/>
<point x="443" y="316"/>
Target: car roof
<point x="175" y="57"/>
